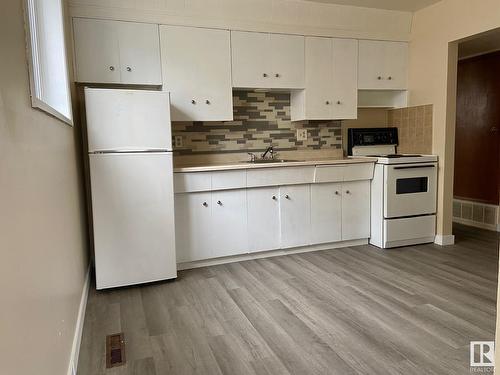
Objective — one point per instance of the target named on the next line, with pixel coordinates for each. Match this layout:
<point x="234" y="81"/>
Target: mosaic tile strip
<point x="261" y="119"/>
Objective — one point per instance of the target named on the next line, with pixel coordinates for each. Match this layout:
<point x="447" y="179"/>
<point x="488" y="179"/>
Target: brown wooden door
<point x="477" y="155"/>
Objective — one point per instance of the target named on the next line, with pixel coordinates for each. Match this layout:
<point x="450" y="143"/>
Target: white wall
<point x="432" y="78"/>
<point x="43" y="241"/>
<point x="288" y="16"/>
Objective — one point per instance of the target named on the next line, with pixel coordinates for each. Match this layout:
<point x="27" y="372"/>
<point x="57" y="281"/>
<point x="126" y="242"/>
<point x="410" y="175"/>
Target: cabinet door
<point x="229" y="223"/>
<point x="196" y="66"/>
<point x="326" y="213"/>
<point x="97" y="55"/>
<point x="250" y="59"/>
<point x="139" y="53"/>
<point x="295" y="215"/>
<point x="263" y="219"/>
<point x="371" y="67"/>
<point x="345" y="79"/>
<point x="287" y="61"/>
<point x="396" y="65"/>
<point x="355" y="210"/>
<point x="193" y="226"/>
<point x="319" y="78"/>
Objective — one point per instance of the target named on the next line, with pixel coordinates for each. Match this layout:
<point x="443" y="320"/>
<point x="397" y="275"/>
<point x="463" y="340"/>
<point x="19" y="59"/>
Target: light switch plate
<point x="301" y="134"/>
<point x="178" y="141"/>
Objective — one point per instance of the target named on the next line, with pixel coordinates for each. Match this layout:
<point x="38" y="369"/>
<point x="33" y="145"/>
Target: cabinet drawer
<point x="356" y="172"/>
<point x="280" y="176"/>
<point x="191" y="182"/>
<point x="328" y="173"/>
<point x="229" y="180"/>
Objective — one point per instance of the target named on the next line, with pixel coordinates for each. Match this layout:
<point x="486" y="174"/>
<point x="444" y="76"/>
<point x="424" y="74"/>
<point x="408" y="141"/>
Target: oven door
<point x="410" y="189"/>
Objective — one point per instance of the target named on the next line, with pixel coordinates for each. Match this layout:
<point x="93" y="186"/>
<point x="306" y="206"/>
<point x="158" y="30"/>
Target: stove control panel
<point x="371" y="137"/>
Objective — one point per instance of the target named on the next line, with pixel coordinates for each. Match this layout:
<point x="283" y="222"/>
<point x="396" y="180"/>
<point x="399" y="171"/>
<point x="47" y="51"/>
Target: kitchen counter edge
<point x="244" y="165"/>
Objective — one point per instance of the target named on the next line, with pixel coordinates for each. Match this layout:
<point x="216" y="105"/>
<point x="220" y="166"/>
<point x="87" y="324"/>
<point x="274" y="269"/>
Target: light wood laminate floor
<point x="359" y="310"/>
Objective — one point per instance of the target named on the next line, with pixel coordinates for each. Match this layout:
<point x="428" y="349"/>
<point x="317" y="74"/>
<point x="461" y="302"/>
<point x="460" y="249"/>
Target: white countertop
<point x="248" y="165"/>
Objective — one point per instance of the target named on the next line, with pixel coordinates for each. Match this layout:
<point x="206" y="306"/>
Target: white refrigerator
<point x="131" y="181"/>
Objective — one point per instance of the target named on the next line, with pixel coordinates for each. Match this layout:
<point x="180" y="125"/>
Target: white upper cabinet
<point x="262" y="60"/>
<point x="345" y="79"/>
<point x="331" y="81"/>
<point x="116" y="52"/>
<point x="383" y="65"/>
<point x="196" y="66"/>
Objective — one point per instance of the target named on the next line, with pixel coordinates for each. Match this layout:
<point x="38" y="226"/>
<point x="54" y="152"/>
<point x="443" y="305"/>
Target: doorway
<point x="477" y="133"/>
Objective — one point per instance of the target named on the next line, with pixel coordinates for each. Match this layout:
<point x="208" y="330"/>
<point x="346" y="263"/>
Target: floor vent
<point x="115" y="350"/>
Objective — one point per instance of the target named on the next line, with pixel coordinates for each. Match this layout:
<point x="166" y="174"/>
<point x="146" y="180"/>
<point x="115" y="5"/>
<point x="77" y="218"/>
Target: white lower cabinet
<point x="229" y="223"/>
<point x="263" y="219"/>
<point x="355" y="210"/>
<point x="295" y="215"/>
<point x="193" y="212"/>
<point x="326" y="213"/>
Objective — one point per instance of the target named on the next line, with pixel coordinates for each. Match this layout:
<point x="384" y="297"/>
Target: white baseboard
<point x="269" y="254"/>
<point x="444" y="240"/>
<point x="77" y="338"/>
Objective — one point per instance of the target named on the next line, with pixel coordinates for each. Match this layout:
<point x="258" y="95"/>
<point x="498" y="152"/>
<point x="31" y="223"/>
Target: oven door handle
<point x="416" y="167"/>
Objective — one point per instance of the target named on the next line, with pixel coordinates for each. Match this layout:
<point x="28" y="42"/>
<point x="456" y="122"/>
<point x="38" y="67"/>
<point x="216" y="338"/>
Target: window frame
<point x="35" y="75"/>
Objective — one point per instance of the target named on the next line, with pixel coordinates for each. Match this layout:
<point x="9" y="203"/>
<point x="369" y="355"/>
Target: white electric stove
<point x="403" y="190"/>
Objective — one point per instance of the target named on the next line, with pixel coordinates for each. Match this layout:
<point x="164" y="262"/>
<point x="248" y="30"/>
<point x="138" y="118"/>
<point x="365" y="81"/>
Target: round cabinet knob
<point x="287" y="196"/>
<point x="327" y="102"/>
<point x="347" y="192"/>
<point x="274" y="197"/>
<point x="379" y="78"/>
<point x="336" y="193"/>
<point x="205" y="204"/>
<point x="207" y="101"/>
<point x="193" y="101"/>
<point x="264" y="75"/>
<point x="129" y="69"/>
<point x="219" y="203"/>
<point x="277" y="75"/>
<point x="339" y="102"/>
<point x="389" y="78"/>
<point x="111" y="68"/>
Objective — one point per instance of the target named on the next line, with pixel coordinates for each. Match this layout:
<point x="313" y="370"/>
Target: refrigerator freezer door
<point x="128" y="120"/>
<point x="133" y="214"/>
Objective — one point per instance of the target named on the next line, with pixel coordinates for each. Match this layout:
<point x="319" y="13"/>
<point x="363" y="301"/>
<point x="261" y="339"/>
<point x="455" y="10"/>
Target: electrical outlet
<point x="178" y="141"/>
<point x="301" y="134"/>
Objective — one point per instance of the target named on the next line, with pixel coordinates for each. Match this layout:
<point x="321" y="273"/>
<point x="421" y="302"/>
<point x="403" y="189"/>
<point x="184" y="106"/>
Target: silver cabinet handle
<point x="379" y="78"/>
<point x="205" y="204"/>
<point x="111" y="68"/>
<point x="264" y="75"/>
<point x="129" y="69"/>
<point x="287" y="196"/>
<point x="327" y="102"/>
<point x="207" y="101"/>
<point x="337" y="193"/>
<point x="347" y="192"/>
<point x="193" y="101"/>
<point x="277" y="75"/>
<point x="389" y="78"/>
<point x="274" y="197"/>
<point x="219" y="203"/>
<point x="339" y="102"/>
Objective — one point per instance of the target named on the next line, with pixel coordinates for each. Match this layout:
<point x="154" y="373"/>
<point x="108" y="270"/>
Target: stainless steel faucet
<point x="269" y="150"/>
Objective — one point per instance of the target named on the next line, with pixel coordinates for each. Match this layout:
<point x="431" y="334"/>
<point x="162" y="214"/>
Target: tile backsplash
<point x="414" y="128"/>
<point x="260" y="119"/>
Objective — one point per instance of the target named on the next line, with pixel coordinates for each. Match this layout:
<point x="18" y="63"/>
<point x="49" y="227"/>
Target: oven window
<point x="411" y="185"/>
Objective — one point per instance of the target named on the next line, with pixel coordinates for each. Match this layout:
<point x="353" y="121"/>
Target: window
<point x="49" y="82"/>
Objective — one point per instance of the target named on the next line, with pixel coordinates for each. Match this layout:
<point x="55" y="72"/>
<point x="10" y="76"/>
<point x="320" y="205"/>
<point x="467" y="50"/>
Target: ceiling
<point x="405" y="5"/>
<point x="487" y="42"/>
